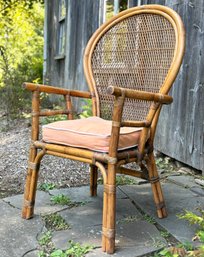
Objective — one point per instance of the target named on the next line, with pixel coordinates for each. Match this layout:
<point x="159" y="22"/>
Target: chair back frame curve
<point x="164" y="11"/>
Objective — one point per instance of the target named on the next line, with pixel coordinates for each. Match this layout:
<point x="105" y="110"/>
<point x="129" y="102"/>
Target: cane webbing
<point x="135" y="53"/>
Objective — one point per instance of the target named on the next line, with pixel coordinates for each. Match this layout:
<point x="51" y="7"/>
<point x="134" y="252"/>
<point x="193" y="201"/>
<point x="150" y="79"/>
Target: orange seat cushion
<point x="91" y="133"/>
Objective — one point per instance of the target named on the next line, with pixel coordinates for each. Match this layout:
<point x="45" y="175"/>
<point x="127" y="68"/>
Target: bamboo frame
<point x="109" y="164"/>
<point x="56" y="90"/>
<point x="140" y="95"/>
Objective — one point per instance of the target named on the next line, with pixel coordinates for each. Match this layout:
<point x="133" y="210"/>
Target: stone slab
<point x="197" y="190"/>
<point x="32" y="254"/>
<point x="43" y="204"/>
<point x="177" y="200"/>
<point x="79" y="234"/>
<point x="200" y="182"/>
<point x="132" y="239"/>
<point x="17" y="236"/>
<point x="91" y="213"/>
<point x="137" y="236"/>
<point x="183" y="180"/>
<point x="82" y="194"/>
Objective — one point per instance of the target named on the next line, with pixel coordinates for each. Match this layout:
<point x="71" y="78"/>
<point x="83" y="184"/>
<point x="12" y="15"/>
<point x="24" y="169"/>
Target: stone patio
<point x="137" y="233"/>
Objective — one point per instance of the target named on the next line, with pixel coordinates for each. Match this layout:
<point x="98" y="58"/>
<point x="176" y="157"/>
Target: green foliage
<point x="46" y="186"/>
<point x="46" y="245"/>
<point x="149" y="219"/>
<point x="186" y="245"/>
<point x="74" y="250"/>
<point x="110" y="8"/>
<point x="195" y="219"/>
<point x="49" y="119"/>
<point x="166" y="253"/>
<point x="77" y="250"/>
<point x="65" y="200"/>
<point x="164" y="233"/>
<point x="86" y="109"/>
<point x="55" y="222"/>
<point x="21" y="51"/>
<point x="45" y="238"/>
<point x="6" y="4"/>
<point x="42" y="254"/>
<point x="128" y="219"/>
<point x="60" y="199"/>
<point x="58" y="253"/>
<point x="121" y="180"/>
<point x="164" y="164"/>
<point x="201" y="235"/>
<point x="125" y="180"/>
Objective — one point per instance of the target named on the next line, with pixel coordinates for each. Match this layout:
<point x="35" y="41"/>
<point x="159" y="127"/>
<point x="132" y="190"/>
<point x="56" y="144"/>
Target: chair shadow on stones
<point x="130" y="64"/>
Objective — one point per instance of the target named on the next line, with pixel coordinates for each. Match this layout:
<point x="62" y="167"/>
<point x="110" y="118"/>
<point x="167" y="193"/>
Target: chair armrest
<point x="56" y="90"/>
<point x="140" y="95"/>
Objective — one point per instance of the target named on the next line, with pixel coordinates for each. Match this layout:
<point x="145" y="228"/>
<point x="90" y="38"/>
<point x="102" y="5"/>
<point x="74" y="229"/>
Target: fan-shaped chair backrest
<point x="140" y="48"/>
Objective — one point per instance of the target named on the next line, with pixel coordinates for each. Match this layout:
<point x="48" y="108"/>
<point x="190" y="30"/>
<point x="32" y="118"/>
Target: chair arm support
<point x="56" y="90"/>
<point x="140" y="95"/>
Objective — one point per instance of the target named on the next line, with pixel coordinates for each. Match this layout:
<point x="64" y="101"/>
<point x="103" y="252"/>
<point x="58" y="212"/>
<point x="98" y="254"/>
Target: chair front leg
<point x="31" y="184"/>
<point x="156" y="186"/>
<point x="110" y="192"/>
<point x="93" y="180"/>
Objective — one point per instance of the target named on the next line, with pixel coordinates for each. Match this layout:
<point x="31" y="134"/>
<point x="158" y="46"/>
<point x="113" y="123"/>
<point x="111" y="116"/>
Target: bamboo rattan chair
<point x="130" y="64"/>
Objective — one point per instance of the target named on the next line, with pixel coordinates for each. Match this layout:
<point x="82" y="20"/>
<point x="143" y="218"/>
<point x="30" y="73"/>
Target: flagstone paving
<point x="137" y="234"/>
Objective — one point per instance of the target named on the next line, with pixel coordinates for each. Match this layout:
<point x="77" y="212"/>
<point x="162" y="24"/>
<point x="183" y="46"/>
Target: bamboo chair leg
<point x="93" y="180"/>
<point x="104" y="221"/>
<point x="110" y="190"/>
<point x="156" y="187"/>
<point x="30" y="188"/>
<point x="105" y="204"/>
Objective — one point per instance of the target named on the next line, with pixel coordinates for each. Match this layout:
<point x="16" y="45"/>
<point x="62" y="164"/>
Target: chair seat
<point x="91" y="133"/>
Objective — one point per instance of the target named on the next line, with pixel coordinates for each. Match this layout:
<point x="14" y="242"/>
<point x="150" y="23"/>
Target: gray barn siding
<point x="81" y="22"/>
<point x="54" y="73"/>
<point x="180" y="132"/>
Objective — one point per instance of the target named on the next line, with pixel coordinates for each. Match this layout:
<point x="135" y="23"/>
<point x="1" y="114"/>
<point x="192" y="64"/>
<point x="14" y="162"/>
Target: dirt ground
<point x="14" y="147"/>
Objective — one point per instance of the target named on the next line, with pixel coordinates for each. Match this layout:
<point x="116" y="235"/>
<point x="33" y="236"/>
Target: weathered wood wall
<point x="82" y="20"/>
<point x="180" y="132"/>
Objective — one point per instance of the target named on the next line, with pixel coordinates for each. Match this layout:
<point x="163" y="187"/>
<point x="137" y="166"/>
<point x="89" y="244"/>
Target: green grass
<point x="187" y="248"/>
<point x="46" y="186"/>
<point x="45" y="238"/>
<point x="121" y="180"/>
<point x="129" y="219"/>
<point x="149" y="219"/>
<point x="86" y="109"/>
<point x="73" y="250"/>
<point x="164" y="164"/>
<point x="60" y="199"/>
<point x="125" y="180"/>
<point x="77" y="250"/>
<point x="55" y="222"/>
<point x="164" y="234"/>
<point x="45" y="244"/>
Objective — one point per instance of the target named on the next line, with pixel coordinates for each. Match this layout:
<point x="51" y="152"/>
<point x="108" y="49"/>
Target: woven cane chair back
<point x="135" y="51"/>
